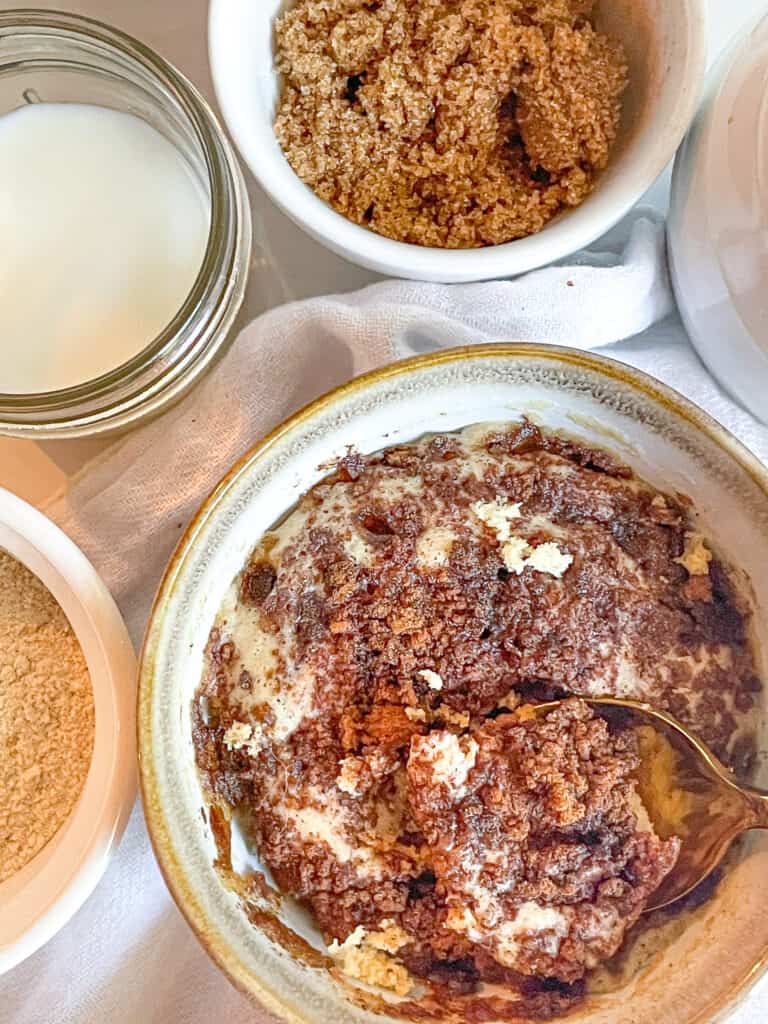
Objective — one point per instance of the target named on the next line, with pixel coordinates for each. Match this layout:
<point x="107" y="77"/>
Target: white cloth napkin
<point x="127" y="956"/>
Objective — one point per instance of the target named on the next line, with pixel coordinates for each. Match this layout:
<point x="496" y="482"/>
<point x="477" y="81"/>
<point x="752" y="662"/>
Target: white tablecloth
<point x="127" y="956"/>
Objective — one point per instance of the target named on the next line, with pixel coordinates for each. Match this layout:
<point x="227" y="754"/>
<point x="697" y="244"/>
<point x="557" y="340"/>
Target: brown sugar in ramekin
<point x="449" y="123"/>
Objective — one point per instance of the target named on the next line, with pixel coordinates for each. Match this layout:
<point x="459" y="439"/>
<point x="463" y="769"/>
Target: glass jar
<point x="718" y="221"/>
<point x="51" y="57"/>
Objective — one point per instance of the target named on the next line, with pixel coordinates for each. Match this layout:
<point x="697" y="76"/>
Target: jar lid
<point x="718" y="222"/>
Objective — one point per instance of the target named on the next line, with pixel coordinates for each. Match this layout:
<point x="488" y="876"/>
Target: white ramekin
<point x="39" y="900"/>
<point x="665" y="43"/>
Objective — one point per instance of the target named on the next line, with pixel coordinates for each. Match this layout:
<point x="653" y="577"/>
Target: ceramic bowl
<point x="39" y="900"/>
<point x="665" y="43"/>
<point x="707" y="965"/>
<point x="718" y="222"/>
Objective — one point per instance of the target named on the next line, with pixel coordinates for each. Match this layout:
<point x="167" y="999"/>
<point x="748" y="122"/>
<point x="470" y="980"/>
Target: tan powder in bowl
<point x="46" y="716"/>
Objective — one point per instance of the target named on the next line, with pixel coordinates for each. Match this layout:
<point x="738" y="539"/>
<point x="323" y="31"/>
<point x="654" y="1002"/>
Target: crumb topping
<point x="551" y="799"/>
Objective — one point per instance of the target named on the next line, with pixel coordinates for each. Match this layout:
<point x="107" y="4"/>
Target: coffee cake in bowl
<point x="339" y="680"/>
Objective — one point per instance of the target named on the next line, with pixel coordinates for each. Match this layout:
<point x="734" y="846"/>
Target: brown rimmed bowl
<point x="698" y="966"/>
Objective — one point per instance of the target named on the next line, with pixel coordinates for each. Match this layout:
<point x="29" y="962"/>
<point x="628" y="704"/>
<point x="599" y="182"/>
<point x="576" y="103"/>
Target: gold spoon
<point x="688" y="792"/>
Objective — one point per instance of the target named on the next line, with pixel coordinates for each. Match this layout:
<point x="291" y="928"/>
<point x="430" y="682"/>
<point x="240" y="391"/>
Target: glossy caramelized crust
<point x="375" y="649"/>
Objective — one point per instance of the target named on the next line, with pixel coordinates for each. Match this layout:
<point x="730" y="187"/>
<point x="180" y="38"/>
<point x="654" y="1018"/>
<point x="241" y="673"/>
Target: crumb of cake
<point x="237" y="735"/>
<point x="696" y="556"/>
<point x="390" y="939"/>
<point x="514" y="554"/>
<point x="550" y="559"/>
<point x="518" y="555"/>
<point x="531" y="923"/>
<point x="450" y="758"/>
<point x="442" y="715"/>
<point x="433" y="680"/>
<point x="355" y="938"/>
<point x="416" y="714"/>
<point x="657" y="784"/>
<point x="446" y="714"/>
<point x="447" y="124"/>
<point x="348" y="779"/>
<point x="510" y="701"/>
<point x="374" y="967"/>
<point x="640" y="811"/>
<point x="245" y="736"/>
<point x="368" y="957"/>
<point x="434" y="547"/>
<point x="497" y="516"/>
<point x="358" y="549"/>
<point x="258" y="740"/>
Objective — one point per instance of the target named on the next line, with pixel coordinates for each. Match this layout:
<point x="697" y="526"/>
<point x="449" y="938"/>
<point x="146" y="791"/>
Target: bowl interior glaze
<point x="666" y="440"/>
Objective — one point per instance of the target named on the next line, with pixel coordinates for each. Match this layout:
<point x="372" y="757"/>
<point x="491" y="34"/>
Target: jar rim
<point x="16" y="408"/>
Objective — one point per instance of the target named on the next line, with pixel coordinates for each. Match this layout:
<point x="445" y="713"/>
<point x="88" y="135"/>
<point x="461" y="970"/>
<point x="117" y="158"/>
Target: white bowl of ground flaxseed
<point x="67" y="760"/>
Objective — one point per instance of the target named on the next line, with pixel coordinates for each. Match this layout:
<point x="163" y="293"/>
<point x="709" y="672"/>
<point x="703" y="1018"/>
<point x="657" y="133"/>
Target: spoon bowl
<point x="686" y="790"/>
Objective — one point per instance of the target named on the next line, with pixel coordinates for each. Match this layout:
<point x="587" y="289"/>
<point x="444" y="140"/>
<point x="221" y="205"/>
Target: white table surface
<point x="286" y="263"/>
